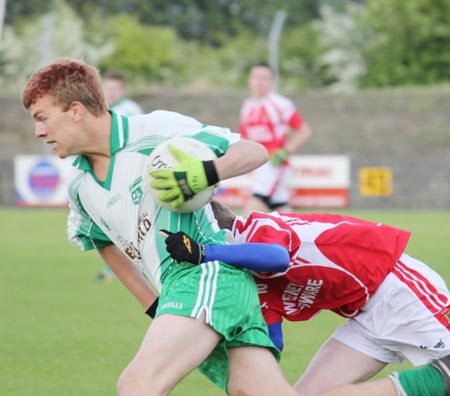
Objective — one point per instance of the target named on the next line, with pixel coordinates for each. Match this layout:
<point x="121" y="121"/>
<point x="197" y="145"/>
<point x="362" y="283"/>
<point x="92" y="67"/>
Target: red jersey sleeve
<point x="243" y="130"/>
<point x="295" y="121"/>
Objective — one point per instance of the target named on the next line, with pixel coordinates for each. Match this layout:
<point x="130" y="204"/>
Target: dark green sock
<point x="422" y="381"/>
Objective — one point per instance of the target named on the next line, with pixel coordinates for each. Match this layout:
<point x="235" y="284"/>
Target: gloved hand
<point x="278" y="157"/>
<point x="184" y="181"/>
<point x="182" y="248"/>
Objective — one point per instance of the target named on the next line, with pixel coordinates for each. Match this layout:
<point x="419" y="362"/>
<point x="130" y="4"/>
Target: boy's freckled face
<point x="54" y="125"/>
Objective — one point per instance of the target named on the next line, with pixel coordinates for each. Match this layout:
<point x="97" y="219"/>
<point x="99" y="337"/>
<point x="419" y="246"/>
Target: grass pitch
<point x="64" y="333"/>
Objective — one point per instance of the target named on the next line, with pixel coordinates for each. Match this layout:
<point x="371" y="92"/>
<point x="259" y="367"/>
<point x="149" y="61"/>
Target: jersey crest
<point x="136" y="191"/>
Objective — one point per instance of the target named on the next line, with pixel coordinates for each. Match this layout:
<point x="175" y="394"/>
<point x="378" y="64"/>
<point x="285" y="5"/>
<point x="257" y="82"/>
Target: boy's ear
<point x="77" y="109"/>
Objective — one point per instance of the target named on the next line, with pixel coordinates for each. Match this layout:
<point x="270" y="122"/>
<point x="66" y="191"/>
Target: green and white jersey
<point x="120" y="210"/>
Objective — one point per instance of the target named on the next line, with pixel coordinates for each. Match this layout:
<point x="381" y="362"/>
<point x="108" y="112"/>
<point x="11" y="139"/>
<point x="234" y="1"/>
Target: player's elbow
<point x="258" y="151"/>
<point x="263" y="153"/>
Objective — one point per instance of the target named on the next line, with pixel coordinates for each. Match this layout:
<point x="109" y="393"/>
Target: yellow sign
<point x="375" y="182"/>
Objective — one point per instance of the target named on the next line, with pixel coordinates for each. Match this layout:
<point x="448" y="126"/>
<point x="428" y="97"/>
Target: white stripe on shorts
<point x="398" y="386"/>
<point x="207" y="290"/>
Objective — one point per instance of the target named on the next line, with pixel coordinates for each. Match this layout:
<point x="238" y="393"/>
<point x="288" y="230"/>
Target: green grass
<point x="64" y="333"/>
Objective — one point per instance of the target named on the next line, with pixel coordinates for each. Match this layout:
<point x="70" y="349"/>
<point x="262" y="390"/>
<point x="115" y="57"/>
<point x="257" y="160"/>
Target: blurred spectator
<point x="114" y="89"/>
<point x="268" y="118"/>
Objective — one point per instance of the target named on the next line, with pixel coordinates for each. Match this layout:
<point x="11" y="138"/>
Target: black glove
<point x="182" y="248"/>
<point x="151" y="311"/>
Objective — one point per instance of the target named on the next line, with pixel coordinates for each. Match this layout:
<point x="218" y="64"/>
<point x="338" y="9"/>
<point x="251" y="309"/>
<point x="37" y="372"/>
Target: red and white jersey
<point x="269" y="120"/>
<point x="337" y="262"/>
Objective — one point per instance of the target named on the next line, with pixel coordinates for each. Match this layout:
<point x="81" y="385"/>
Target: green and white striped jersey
<point x="120" y="210"/>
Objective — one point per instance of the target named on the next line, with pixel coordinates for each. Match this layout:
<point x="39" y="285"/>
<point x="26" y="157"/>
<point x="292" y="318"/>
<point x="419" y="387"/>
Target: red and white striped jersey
<point x="269" y="120"/>
<point x="337" y="262"/>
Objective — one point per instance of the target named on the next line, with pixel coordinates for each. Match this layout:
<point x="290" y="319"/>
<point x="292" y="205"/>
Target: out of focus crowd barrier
<point x="316" y="181"/>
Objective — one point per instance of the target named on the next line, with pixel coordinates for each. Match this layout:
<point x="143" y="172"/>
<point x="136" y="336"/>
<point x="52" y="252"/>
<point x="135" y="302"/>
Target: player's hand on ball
<point x="278" y="157"/>
<point x="181" y="183"/>
<point x="182" y="248"/>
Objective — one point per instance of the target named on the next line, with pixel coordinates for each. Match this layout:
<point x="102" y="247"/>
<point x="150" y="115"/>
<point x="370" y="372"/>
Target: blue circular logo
<point x="44" y="179"/>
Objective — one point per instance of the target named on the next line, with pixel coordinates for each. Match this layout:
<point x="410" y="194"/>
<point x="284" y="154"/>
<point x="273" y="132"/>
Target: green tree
<point x="147" y="51"/>
<point x="300" y="58"/>
<point x="18" y="10"/>
<point x="341" y="38"/>
<point x="409" y="42"/>
<point x="228" y="65"/>
<point x="206" y="21"/>
<point x="24" y="48"/>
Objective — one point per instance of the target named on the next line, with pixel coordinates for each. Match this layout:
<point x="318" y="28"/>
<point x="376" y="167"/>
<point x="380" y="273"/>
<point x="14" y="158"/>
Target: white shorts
<point x="271" y="181"/>
<point x="407" y="318"/>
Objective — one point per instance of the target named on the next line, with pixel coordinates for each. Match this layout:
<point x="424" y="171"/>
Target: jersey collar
<point x="118" y="140"/>
<point x="119" y="131"/>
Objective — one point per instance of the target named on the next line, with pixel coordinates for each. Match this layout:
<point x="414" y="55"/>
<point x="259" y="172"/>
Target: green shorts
<point x="229" y="298"/>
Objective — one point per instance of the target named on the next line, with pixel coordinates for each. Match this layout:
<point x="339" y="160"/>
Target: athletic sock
<point x="422" y="381"/>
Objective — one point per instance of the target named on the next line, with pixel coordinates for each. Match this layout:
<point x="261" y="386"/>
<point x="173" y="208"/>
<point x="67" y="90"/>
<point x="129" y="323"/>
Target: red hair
<point x="67" y="81"/>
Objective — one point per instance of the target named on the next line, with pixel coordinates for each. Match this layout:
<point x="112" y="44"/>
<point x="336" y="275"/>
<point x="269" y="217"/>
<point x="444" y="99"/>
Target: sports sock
<point x="422" y="381"/>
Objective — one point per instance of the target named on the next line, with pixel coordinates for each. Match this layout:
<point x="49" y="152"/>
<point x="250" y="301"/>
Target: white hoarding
<point x="41" y="180"/>
<point x="316" y="181"/>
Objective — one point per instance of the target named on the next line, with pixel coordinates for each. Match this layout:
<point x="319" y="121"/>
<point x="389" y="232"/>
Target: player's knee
<point x="136" y="381"/>
<point x="128" y="383"/>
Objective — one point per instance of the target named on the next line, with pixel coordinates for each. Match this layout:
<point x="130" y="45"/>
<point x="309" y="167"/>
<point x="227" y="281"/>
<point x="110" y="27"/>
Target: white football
<point x="162" y="158"/>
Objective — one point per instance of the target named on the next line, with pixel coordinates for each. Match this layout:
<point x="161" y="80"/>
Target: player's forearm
<point x="242" y="157"/>
<point x="127" y="273"/>
<point x="261" y="257"/>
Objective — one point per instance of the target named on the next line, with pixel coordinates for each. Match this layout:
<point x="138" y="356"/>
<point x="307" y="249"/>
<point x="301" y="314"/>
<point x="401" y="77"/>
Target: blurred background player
<point x="397" y="307"/>
<point x="268" y="118"/>
<point x="114" y="89"/>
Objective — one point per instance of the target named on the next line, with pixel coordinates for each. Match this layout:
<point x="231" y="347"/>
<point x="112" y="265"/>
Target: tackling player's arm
<point x="131" y="278"/>
<point x="261" y="257"/>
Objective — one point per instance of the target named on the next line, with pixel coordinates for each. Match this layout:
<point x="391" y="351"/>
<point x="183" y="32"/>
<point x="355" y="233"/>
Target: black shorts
<point x="268" y="201"/>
